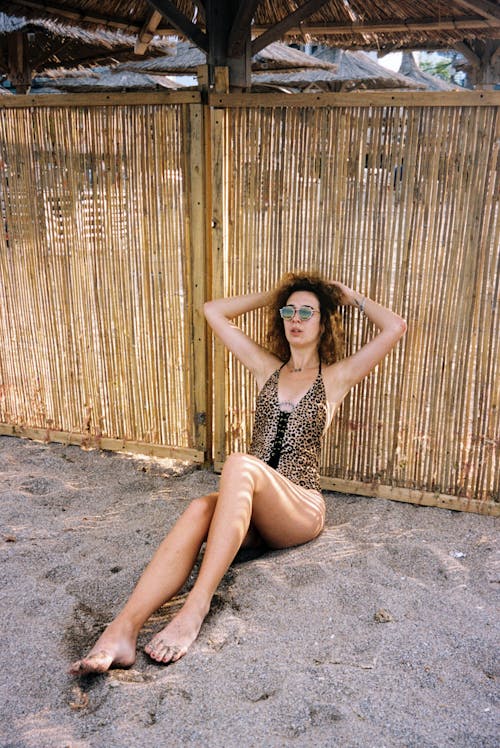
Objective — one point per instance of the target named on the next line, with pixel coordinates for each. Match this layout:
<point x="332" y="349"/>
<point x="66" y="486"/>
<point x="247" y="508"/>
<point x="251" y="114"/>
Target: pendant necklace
<point x="294" y="370"/>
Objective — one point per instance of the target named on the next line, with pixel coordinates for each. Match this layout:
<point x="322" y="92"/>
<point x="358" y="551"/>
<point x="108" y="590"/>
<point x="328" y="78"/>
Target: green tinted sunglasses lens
<point x="305" y="312"/>
<point x="287" y="312"/>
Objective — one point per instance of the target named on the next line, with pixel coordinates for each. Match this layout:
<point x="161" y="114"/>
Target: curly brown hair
<point x="331" y="343"/>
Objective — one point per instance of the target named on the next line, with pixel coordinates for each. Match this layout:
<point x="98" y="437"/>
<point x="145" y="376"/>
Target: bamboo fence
<point x="96" y="277"/>
<point x="120" y="214"/>
<point x="396" y="196"/>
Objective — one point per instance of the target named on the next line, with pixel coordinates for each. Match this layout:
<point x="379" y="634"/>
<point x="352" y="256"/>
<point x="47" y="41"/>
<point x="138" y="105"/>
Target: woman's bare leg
<point x="282" y="513"/>
<point x="162" y="578"/>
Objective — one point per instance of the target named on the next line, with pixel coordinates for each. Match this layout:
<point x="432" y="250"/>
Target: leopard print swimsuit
<point x="291" y="441"/>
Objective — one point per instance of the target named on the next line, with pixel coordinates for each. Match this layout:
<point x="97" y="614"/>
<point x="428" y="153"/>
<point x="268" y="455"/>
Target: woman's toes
<point x="98" y="662"/>
<point x="163" y="652"/>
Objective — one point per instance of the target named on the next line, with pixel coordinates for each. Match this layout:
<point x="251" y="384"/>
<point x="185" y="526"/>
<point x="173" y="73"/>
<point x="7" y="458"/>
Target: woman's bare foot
<point x="172" y="642"/>
<point x="116" y="646"/>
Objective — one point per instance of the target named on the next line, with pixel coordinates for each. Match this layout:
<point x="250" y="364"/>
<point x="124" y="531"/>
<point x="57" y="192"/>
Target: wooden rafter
<point x="147" y="32"/>
<point x="181" y="22"/>
<point x="485" y="8"/>
<point x="277" y="31"/>
<point x="463" y="24"/>
<point x="240" y="31"/>
<point x="468" y="53"/>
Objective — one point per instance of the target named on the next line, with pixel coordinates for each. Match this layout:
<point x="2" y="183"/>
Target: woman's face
<point x="299" y="332"/>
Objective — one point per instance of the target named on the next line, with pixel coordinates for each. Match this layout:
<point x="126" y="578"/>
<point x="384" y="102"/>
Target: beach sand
<point x="383" y="632"/>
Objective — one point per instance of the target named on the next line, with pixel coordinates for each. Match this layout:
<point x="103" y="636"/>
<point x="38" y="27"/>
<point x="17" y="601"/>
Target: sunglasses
<point x="304" y="312"/>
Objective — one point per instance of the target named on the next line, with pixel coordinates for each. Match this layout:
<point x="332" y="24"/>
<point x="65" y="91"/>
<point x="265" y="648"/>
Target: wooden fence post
<point x="220" y="167"/>
<point x="200" y="381"/>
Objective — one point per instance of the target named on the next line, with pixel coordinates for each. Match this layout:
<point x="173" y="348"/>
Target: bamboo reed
<point x="101" y="209"/>
<point x="94" y="273"/>
<point x="408" y="215"/>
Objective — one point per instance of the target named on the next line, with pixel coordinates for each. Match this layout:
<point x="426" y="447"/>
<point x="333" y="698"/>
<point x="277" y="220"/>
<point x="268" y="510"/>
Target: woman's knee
<point x="203" y="507"/>
<point x="240" y="461"/>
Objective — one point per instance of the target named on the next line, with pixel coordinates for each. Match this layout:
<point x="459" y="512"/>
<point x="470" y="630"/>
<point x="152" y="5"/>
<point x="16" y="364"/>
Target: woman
<point x="270" y="497"/>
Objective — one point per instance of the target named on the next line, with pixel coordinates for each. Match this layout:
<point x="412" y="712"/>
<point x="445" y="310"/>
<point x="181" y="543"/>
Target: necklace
<point x="294" y="370"/>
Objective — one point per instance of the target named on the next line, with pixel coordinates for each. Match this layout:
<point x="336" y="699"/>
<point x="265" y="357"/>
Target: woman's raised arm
<point x="220" y="314"/>
<point x="392" y="327"/>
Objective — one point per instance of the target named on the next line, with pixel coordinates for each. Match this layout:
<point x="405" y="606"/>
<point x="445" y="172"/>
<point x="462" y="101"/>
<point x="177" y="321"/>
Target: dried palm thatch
<point x="410" y="69"/>
<point x="279" y="56"/>
<point x="354" y="24"/>
<point x="369" y="24"/>
<point x="357" y="70"/>
<point x="187" y="58"/>
<point x="28" y="46"/>
<point x="352" y="71"/>
<point x="326" y="80"/>
<point x="101" y="79"/>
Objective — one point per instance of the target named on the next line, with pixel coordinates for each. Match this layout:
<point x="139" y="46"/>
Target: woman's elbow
<point x="208" y="308"/>
<point x="400" y="327"/>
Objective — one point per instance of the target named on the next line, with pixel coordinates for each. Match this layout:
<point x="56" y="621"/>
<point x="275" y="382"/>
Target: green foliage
<point x="441" y="68"/>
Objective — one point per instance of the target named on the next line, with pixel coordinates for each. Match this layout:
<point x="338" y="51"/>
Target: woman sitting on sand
<point x="270" y="497"/>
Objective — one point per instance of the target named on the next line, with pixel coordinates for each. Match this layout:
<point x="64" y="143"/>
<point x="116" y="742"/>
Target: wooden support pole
<point x="221" y="18"/>
<point x="219" y="198"/>
<point x="239" y="35"/>
<point x="200" y="394"/>
<point x="18" y="61"/>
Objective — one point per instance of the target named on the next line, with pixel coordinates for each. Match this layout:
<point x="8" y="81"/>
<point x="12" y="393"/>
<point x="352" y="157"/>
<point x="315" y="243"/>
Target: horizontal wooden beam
<point x="139" y="98"/>
<point x="459" y="24"/>
<point x="102" y="442"/>
<point x="411" y="496"/>
<point x="357" y="98"/>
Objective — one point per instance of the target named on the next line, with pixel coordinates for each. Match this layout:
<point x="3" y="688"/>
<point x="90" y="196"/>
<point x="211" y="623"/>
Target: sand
<point x="380" y="633"/>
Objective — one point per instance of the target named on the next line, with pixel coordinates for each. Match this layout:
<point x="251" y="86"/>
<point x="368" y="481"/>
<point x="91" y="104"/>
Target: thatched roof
<point x="357" y="70"/>
<point x="56" y="44"/>
<point x="31" y="46"/>
<point x="99" y="79"/>
<point x="324" y="80"/>
<point x="354" y="24"/>
<point x="411" y="70"/>
<point x="279" y="56"/>
<point x="186" y="59"/>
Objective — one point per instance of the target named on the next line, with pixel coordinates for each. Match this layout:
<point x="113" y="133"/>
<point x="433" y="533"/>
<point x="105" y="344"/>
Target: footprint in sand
<point x="40" y="486"/>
